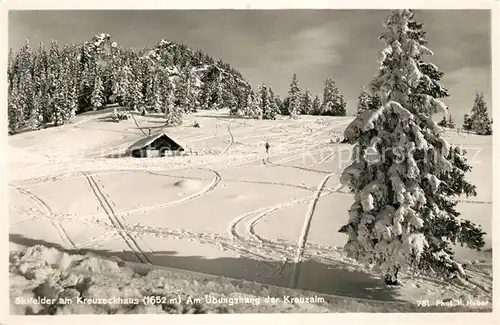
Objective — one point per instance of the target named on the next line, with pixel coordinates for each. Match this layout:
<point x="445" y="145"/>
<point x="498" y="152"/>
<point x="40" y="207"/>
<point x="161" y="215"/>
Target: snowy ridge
<point x="199" y="71"/>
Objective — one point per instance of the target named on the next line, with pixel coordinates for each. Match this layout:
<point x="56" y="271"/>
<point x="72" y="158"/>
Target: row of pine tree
<point x="479" y="121"/>
<point x="48" y="87"/>
<point x="265" y="104"/>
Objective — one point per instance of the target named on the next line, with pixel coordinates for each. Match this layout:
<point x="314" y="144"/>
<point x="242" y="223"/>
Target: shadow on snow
<point x="315" y="276"/>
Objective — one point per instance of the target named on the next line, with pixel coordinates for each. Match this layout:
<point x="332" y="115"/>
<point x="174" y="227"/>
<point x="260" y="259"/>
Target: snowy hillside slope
<point x="229" y="209"/>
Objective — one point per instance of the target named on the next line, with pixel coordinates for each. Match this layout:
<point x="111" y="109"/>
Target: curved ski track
<point x="245" y="248"/>
<point x="44" y="208"/>
<point x="210" y="187"/>
<point x="283" y="249"/>
<point x="231" y="141"/>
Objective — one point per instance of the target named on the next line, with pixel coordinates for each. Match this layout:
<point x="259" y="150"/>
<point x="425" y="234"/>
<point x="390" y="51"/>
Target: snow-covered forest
<point x="279" y="195"/>
<point x="49" y="86"/>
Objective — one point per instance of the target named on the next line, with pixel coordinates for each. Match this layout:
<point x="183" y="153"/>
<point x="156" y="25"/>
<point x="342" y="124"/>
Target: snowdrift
<point x="48" y="281"/>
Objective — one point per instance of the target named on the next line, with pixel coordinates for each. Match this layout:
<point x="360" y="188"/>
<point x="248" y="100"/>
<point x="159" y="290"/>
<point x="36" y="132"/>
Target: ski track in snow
<point x="203" y="136"/>
<point x="297" y="167"/>
<point x="326" y="158"/>
<point x="115" y="220"/>
<point x="231" y="139"/>
<point x="217" y="178"/>
<point x="247" y="244"/>
<point x="286" y="146"/>
<point x="248" y="181"/>
<point x="283" y="249"/>
<point x="241" y="162"/>
<point x="254" y="221"/>
<point x="210" y="187"/>
<point x="305" y="230"/>
<point x="295" y="154"/>
<point x="44" y="208"/>
<point x="244" y="247"/>
<point x="124" y="212"/>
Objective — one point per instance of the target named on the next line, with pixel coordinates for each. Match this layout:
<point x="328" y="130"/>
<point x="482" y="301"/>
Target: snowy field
<point x="228" y="209"/>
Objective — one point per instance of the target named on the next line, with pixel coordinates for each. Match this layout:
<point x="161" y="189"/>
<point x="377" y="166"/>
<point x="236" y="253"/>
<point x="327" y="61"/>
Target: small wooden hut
<point x="156" y="145"/>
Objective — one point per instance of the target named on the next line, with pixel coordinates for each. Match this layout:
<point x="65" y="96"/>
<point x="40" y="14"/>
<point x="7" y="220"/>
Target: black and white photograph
<point x="249" y="161"/>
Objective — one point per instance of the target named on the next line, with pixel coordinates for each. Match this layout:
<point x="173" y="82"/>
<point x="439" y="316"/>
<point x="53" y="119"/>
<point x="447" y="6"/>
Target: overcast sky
<point x="269" y="46"/>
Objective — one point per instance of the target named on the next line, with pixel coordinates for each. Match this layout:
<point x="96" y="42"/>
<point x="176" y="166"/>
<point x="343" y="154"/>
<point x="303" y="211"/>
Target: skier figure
<point x="267" y="147"/>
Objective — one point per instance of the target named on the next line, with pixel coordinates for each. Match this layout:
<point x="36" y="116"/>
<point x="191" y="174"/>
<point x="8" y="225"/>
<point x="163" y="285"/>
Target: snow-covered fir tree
<point x="267" y="103"/>
<point x="118" y="87"/>
<point x="333" y="102"/>
<point x="342" y="108"/>
<point x="157" y="94"/>
<point x="88" y="68"/>
<point x="254" y="109"/>
<point x="68" y="100"/>
<point x="73" y="76"/>
<point x="451" y="122"/>
<point x="279" y="104"/>
<point x="149" y="85"/>
<point x="306" y="103"/>
<point x="134" y="97"/>
<point x="241" y="102"/>
<point x="153" y="97"/>
<point x="55" y="85"/>
<point x="375" y="102"/>
<point x="183" y="91"/>
<point x="206" y="94"/>
<point x="274" y="109"/>
<point x="467" y="125"/>
<point x="230" y="98"/>
<point x="39" y="105"/>
<point x="97" y="94"/>
<point x="364" y="100"/>
<point x="10" y="67"/>
<point x="294" y="98"/>
<point x="330" y="94"/>
<point x="480" y="121"/>
<point x="443" y="122"/>
<point x="173" y="114"/>
<point x="284" y="106"/>
<point x="124" y="89"/>
<point x="404" y="175"/>
<point x="33" y="114"/>
<point x="41" y="86"/>
<point x="316" y="106"/>
<point x="15" y="110"/>
<point x="25" y="84"/>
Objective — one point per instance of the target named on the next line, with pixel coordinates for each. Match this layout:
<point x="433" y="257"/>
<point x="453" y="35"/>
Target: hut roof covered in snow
<point x="148" y="140"/>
